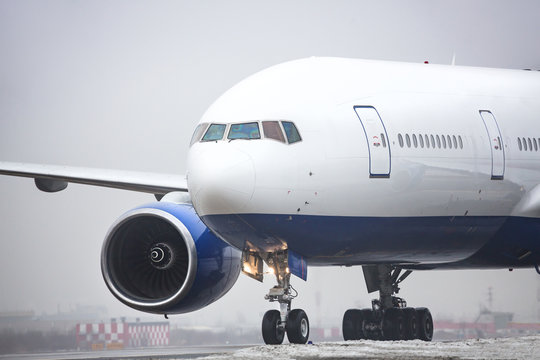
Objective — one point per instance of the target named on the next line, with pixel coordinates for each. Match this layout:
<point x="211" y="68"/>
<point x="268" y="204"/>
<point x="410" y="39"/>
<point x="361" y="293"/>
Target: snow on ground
<point x="503" y="348"/>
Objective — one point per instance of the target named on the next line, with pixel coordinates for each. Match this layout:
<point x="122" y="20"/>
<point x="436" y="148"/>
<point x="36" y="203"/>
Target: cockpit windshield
<point x="279" y="130"/>
<point x="291" y="131"/>
<point x="198" y="133"/>
<point x="215" y="132"/>
<point x="244" y="131"/>
<point x="273" y="131"/>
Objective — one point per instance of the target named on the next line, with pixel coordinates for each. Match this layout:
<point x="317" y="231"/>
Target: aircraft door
<point x="377" y="139"/>
<point x="496" y="144"/>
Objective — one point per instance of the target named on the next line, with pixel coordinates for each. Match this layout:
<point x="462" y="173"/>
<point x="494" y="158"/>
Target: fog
<point x="122" y="84"/>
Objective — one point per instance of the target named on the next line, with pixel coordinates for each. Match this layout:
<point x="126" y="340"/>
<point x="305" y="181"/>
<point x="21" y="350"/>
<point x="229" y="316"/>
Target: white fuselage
<point x="341" y="170"/>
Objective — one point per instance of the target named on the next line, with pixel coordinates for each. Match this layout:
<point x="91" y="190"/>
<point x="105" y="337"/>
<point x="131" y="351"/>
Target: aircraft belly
<point x="343" y="240"/>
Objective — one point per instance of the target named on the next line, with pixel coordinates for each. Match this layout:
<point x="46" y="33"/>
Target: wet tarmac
<point x="527" y="347"/>
<point x="504" y="348"/>
<point x="183" y="352"/>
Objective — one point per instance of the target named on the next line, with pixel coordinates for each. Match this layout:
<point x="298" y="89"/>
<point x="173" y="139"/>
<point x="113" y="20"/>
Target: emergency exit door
<point x="377" y="139"/>
<point x="496" y="144"/>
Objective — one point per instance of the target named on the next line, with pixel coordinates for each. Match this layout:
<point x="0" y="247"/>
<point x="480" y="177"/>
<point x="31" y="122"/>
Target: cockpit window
<point x="272" y="130"/>
<point x="244" y="131"/>
<point x="215" y="132"/>
<point x="291" y="131"/>
<point x="199" y="130"/>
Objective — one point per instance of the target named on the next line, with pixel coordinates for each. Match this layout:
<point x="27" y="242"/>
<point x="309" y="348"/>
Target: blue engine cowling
<point x="160" y="258"/>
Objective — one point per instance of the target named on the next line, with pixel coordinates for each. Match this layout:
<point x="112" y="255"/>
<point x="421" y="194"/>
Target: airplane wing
<point x="52" y="178"/>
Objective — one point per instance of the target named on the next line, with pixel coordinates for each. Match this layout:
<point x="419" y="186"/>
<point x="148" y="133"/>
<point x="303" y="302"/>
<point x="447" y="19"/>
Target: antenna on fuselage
<point x="453" y="59"/>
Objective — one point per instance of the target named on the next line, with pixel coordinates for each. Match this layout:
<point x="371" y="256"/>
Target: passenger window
<point x="460" y="142"/>
<point x="455" y="141"/>
<point x="246" y="131"/>
<point x="432" y="142"/>
<point x="449" y="139"/>
<point x="519" y="145"/>
<point x="427" y="140"/>
<point x="535" y="144"/>
<point x="530" y="144"/>
<point x="215" y="132"/>
<point x="383" y="140"/>
<point x="438" y="141"/>
<point x="421" y="138"/>
<point x="415" y="141"/>
<point x="524" y="144"/>
<point x="400" y="140"/>
<point x="199" y="131"/>
<point x="291" y="132"/>
<point x="443" y="141"/>
<point x="272" y="130"/>
<point x="408" y="140"/>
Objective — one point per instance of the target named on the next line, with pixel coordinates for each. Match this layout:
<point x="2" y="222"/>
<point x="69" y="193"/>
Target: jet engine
<point x="160" y="258"/>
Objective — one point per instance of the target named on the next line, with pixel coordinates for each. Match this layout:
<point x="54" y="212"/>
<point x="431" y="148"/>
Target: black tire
<point x="425" y="324"/>
<point x="393" y="324"/>
<point x="352" y="325"/>
<point x="411" y="323"/>
<point x="272" y="333"/>
<point x="368" y="319"/>
<point x="297" y="327"/>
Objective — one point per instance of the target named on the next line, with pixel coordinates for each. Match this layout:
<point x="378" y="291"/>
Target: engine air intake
<point x="148" y="258"/>
<point x="152" y="261"/>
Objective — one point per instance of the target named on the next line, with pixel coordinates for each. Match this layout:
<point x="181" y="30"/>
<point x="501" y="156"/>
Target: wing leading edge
<point x="52" y="178"/>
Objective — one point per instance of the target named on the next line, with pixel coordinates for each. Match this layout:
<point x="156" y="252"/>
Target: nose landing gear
<point x="389" y="317"/>
<point x="276" y="323"/>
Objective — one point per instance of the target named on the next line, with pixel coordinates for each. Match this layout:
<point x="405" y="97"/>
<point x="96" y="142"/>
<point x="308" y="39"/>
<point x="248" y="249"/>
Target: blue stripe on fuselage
<point x="477" y="241"/>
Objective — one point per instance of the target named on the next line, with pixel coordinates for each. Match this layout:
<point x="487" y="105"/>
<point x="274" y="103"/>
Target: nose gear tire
<point x="272" y="332"/>
<point x="297" y="327"/>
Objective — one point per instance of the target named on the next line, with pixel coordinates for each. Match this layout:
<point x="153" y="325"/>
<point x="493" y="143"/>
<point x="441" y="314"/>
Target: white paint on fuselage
<point x="327" y="173"/>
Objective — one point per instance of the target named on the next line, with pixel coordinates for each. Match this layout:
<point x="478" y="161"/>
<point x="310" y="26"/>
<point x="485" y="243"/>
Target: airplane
<point x="395" y="167"/>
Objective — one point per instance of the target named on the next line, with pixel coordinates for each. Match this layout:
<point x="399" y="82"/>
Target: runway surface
<point x="180" y="352"/>
<point x="504" y="348"/>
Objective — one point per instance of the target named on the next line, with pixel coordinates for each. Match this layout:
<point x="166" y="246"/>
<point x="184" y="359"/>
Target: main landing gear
<point x="277" y="323"/>
<point x="389" y="317"/>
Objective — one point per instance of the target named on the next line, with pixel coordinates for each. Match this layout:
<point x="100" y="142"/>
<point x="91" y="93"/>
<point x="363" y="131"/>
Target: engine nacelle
<point x="160" y="258"/>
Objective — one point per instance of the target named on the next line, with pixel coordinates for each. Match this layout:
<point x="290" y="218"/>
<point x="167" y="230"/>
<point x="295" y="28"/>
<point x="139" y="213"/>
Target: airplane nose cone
<point x="221" y="179"/>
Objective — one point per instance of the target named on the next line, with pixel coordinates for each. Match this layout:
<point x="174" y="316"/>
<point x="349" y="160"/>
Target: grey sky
<point x="122" y="84"/>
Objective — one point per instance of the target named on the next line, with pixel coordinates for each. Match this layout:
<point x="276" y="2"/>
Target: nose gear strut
<point x="276" y="323"/>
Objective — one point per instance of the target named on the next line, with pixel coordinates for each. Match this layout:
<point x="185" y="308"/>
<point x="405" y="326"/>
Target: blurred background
<point x="122" y="85"/>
